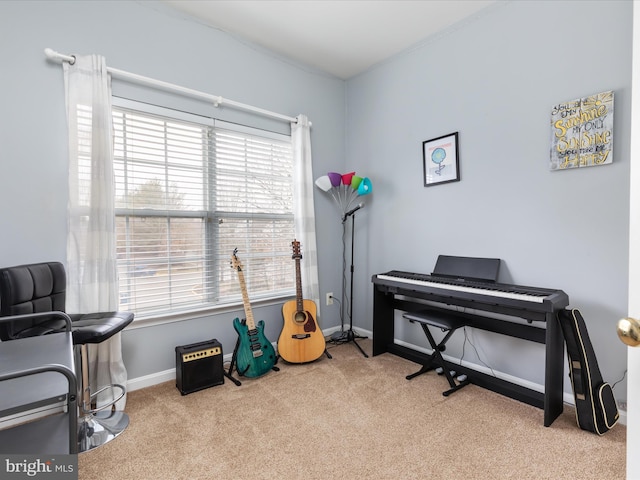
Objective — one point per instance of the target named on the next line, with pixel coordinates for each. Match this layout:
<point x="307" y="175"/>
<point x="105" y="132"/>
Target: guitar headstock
<point x="296" y="250"/>
<point x="235" y="262"/>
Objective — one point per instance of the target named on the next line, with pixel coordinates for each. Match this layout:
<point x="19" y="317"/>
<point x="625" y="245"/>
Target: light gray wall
<point x="151" y="40"/>
<point x="494" y="79"/>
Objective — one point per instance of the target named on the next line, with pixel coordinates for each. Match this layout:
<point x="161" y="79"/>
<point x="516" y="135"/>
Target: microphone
<point x="352" y="211"/>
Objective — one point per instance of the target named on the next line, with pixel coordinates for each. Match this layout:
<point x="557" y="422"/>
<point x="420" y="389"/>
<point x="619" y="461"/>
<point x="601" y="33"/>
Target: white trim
<point x="161" y="111"/>
<point x="236" y="127"/>
<point x="145" y="381"/>
<point x="153" y="320"/>
<point x="170" y="375"/>
<point x="206" y="120"/>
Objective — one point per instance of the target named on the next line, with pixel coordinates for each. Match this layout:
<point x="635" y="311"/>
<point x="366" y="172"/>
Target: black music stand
<point x="350" y="334"/>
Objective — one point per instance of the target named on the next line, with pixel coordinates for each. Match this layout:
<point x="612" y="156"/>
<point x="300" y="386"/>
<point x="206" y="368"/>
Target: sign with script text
<point x="582" y="132"/>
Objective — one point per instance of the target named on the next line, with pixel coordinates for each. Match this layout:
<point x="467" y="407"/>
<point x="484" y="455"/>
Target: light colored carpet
<point x="348" y="417"/>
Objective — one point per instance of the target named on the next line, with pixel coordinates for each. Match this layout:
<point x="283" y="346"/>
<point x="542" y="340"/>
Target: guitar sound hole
<point x="300" y="318"/>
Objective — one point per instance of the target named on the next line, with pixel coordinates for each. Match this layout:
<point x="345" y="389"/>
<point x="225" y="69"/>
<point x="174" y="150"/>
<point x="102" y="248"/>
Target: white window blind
<point x="187" y="194"/>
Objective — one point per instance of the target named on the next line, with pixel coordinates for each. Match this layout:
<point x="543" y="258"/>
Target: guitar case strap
<point x="596" y="408"/>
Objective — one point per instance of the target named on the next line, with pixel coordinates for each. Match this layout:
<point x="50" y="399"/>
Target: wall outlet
<point x="330" y="298"/>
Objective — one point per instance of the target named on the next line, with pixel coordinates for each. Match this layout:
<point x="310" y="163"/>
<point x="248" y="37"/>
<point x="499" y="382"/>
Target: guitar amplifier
<point x="199" y="366"/>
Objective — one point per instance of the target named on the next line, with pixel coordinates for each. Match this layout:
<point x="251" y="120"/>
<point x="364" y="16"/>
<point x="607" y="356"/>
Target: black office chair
<point x="39" y="288"/>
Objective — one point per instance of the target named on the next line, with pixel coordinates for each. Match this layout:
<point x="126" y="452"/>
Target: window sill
<point x="161" y="319"/>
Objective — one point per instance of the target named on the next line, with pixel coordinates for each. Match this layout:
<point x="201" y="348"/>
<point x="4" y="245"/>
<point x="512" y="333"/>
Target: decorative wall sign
<point x="440" y="156"/>
<point x="582" y="132"/>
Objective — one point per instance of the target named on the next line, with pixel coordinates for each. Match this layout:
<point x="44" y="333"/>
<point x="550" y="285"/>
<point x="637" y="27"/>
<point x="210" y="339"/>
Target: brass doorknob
<point x="629" y="331"/>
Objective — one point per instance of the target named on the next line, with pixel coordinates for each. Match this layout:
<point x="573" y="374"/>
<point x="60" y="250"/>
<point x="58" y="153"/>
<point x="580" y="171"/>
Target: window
<point x="189" y="190"/>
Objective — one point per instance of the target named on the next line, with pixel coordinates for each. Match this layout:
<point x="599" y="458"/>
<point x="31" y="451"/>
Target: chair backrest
<point x="33" y="288"/>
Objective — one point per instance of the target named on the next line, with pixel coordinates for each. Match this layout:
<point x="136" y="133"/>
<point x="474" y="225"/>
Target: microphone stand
<point x="351" y="335"/>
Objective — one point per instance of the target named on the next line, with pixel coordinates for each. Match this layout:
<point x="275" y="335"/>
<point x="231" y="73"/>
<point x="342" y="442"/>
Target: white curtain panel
<point x="92" y="281"/>
<point x="303" y="209"/>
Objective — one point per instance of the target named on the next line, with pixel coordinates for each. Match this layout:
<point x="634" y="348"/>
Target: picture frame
<point x="441" y="160"/>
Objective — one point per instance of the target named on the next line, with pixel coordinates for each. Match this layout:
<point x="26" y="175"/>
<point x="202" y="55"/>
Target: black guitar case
<point x="596" y="408"/>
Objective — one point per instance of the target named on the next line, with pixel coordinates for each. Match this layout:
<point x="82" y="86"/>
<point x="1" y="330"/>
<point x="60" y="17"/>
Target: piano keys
<point x="407" y="291"/>
<point x="539" y="299"/>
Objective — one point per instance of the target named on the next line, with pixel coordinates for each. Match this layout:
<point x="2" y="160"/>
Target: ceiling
<point x="340" y="37"/>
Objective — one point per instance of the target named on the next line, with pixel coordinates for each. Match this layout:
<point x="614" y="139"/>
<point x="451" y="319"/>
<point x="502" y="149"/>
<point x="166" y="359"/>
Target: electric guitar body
<point x="252" y="341"/>
<point x="255" y="355"/>
<point x="301" y="340"/>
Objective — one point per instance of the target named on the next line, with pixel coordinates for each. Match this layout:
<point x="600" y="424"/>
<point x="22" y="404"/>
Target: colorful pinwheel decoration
<point x="344" y="188"/>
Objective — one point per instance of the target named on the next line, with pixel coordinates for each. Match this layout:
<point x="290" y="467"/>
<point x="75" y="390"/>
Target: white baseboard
<point x="623" y="417"/>
<point x="151" y="380"/>
<point x="170" y="375"/>
<point x="567" y="398"/>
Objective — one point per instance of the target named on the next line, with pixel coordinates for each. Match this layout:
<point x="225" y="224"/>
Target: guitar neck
<point x="251" y="325"/>
<point x="299" y="303"/>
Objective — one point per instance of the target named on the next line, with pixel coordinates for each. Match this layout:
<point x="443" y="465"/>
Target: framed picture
<point x="440" y="156"/>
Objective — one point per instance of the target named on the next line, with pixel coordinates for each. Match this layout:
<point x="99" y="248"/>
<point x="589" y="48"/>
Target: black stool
<point x="41" y="288"/>
<point x="97" y="424"/>
<point x="447" y="322"/>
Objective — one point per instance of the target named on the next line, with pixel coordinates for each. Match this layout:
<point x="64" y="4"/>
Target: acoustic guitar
<point x="300" y="340"/>
<point x="255" y="355"/>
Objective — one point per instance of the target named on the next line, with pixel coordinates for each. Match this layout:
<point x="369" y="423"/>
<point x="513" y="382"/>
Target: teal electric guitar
<point x="255" y="355"/>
